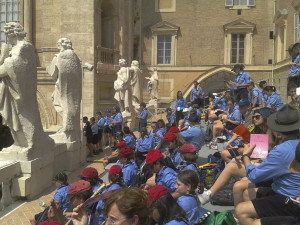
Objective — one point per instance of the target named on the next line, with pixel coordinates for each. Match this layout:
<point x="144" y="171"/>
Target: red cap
<point x="90" y="173"/>
<point x="114" y="170"/>
<point x="188" y="148"/>
<point x="169" y="137"/>
<point x="126" y="152"/>
<point x="174" y="130"/>
<point x="155" y="192"/>
<point x="153" y="155"/>
<point x="79" y="187"/>
<point x="50" y="223"/>
<point x="122" y="144"/>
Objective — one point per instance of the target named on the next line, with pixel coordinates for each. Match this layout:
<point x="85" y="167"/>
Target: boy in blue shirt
<point x="143" y="116"/>
<point x="101" y="124"/>
<point x="242" y="81"/>
<point x="170" y="117"/>
<point x="107" y="128"/>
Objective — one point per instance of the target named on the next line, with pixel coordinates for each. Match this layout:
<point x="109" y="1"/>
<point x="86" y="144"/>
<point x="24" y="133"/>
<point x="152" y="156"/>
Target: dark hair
<point x="126" y="130"/>
<point x="291" y="86"/>
<point x="178" y="93"/>
<point x="93" y="119"/>
<point x="195" y="82"/>
<point x="162" y="122"/>
<point x="168" y="209"/>
<point x="130" y="202"/>
<point x="270" y="88"/>
<point x="84" y="195"/>
<point x="263" y="128"/>
<point x="154" y="122"/>
<point x="228" y="92"/>
<point x="85" y="118"/>
<point x="262" y="83"/>
<point x="230" y="100"/>
<point x="190" y="177"/>
<point x="210" y="95"/>
<point x="189" y="157"/>
<point x="99" y="113"/>
<point x="242" y="67"/>
<point x="252" y="83"/>
<point x="115" y="179"/>
<point x="92" y="181"/>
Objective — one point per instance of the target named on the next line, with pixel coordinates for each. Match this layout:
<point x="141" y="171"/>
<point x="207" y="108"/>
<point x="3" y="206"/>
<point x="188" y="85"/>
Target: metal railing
<point x="107" y="56"/>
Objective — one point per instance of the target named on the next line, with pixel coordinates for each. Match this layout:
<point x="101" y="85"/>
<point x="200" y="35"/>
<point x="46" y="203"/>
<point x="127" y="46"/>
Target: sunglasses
<point x="257" y="117"/>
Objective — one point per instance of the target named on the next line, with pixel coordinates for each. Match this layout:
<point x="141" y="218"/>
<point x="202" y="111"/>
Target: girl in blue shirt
<point x="187" y="187"/>
<point x="165" y="210"/>
<point x="180" y="104"/>
<point x="274" y="100"/>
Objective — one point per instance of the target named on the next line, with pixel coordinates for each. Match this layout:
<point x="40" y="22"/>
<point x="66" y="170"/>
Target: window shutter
<point x="251" y="2"/>
<point x="228" y="2"/>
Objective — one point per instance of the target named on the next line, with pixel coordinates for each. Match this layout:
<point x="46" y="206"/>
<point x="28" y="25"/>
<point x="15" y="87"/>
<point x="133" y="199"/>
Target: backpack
<point x="225" y="196"/>
<point x="221" y="218"/>
<point x="209" y="133"/>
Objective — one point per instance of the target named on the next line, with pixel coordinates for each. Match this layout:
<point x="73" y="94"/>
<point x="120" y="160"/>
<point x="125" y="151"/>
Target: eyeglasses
<point x="257" y="117"/>
<point x="114" y="221"/>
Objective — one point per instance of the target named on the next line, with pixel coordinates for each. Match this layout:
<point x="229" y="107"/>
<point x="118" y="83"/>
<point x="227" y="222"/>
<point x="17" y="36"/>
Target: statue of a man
<point x="152" y="85"/>
<point x="65" y="69"/>
<point x="123" y="92"/>
<point x="136" y="84"/>
<point x="18" y="87"/>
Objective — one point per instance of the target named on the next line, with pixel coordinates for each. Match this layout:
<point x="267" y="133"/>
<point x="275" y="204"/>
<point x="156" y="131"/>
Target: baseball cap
<point x="155" y="192"/>
<point x="153" y="155"/>
<point x="244" y="102"/>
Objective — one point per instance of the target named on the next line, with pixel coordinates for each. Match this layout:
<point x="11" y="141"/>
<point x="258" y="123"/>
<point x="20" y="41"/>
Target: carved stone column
<point x="27" y="19"/>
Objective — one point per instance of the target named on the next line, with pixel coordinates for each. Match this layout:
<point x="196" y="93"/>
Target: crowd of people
<point x="155" y="178"/>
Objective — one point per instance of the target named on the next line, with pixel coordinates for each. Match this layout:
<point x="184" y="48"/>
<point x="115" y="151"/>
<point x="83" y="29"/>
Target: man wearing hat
<point x="242" y="81"/>
<point x="173" y="148"/>
<point x="143" y="116"/>
<point x="128" y="169"/>
<point x="195" y="135"/>
<point x="270" y="201"/>
<point x="165" y="176"/>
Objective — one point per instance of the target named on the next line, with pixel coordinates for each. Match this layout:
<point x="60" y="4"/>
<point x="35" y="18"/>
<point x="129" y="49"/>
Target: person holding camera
<point x="242" y="81"/>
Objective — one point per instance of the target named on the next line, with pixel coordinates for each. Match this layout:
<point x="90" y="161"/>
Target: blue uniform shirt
<point x="175" y="222"/>
<point x="60" y="196"/>
<point x="145" y="144"/>
<point x="195" y="136"/>
<point x="186" y="166"/>
<point x="167" y="177"/>
<point x="118" y="118"/>
<point x="195" y="92"/>
<point x="162" y="130"/>
<point x="295" y="69"/>
<point x="234" y="115"/>
<point x="274" y="100"/>
<point x="220" y="103"/>
<point x="130" y="141"/>
<point x="107" y="120"/>
<point x="175" y="156"/>
<point x="143" y="116"/>
<point x="180" y="104"/>
<point x="255" y="92"/>
<point x="170" y="118"/>
<point x="275" y="166"/>
<point x="157" y="139"/>
<point x="96" y="187"/>
<point x="101" y="123"/>
<point x="242" y="78"/>
<point x="129" y="174"/>
<point x="191" y="205"/>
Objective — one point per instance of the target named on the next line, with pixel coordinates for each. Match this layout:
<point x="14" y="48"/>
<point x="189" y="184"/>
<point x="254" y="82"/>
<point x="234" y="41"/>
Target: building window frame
<point x="239" y="26"/>
<point x="9" y="12"/>
<point x="280" y="21"/>
<point x="238" y="48"/>
<point x="171" y="9"/>
<point x="164" y="29"/>
<point x="166" y="42"/>
<point x="240" y="3"/>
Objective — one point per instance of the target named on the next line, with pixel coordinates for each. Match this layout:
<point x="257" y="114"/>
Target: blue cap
<point x="244" y="102"/>
<point x="108" y="111"/>
<point x="263" y="111"/>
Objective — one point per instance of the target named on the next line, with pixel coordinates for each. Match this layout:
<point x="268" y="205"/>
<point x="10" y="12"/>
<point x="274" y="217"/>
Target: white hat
<point x="185" y="110"/>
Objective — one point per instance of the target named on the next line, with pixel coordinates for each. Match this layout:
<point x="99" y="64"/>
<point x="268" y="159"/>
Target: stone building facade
<point x="186" y="40"/>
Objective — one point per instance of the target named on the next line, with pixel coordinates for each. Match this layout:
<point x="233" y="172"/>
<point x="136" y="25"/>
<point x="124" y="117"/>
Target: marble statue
<point x="123" y="90"/>
<point x="136" y="84"/>
<point x="66" y="71"/>
<point x="152" y="85"/>
<point x="18" y="87"/>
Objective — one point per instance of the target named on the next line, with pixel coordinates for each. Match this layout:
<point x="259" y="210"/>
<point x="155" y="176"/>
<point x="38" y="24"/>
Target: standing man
<point x="255" y="96"/>
<point x="242" y="81"/>
<point x="108" y="128"/>
<point x="143" y="116"/>
<point x="196" y="96"/>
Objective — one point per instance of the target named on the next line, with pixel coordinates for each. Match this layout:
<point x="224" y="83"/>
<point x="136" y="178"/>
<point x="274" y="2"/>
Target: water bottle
<point x="43" y="204"/>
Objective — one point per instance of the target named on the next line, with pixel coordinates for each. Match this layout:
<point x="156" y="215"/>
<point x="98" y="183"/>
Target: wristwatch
<point x="243" y="156"/>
